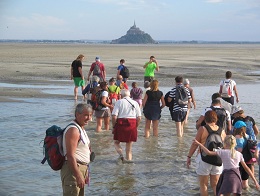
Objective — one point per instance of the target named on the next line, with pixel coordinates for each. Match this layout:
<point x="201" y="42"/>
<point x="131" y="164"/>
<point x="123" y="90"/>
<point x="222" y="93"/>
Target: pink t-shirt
<point x="228" y="162"/>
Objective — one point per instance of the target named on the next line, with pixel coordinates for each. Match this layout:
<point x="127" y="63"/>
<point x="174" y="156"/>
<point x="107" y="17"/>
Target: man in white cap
<point x="98" y="69"/>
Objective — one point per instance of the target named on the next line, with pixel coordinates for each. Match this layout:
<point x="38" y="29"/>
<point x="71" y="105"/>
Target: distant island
<point x="134" y="36"/>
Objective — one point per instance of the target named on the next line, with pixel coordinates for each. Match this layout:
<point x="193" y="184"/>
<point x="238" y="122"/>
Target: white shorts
<point x="205" y="169"/>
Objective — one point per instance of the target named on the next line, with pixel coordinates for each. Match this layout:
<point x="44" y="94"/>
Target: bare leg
<point x="155" y="127"/>
<point x="106" y="122"/>
<point x="179" y="129"/>
<point x="84" y="96"/>
<point x="147" y="128"/>
<point x="99" y="124"/>
<point x="204" y="185"/>
<point x="76" y="92"/>
<point x="213" y="182"/>
<point x="128" y="150"/>
<point x="187" y="115"/>
<point x="118" y="147"/>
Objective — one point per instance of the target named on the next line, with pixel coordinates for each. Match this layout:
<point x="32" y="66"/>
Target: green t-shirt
<point x="149" y="70"/>
<point x="113" y="89"/>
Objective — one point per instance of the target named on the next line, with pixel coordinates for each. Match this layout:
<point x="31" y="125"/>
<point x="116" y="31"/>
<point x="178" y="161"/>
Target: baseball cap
<point x="235" y="109"/>
<point x="239" y="124"/>
<point x="97" y="58"/>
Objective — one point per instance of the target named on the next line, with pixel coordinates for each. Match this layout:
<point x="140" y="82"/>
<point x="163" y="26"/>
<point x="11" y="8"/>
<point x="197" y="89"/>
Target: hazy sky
<point x="208" y="20"/>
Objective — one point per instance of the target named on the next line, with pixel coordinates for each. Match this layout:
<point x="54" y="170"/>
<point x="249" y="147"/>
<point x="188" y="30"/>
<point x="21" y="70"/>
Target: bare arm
<point x="250" y="173"/>
<point x="114" y="118"/>
<point x="199" y="121"/>
<point x="157" y="66"/>
<point x="72" y="137"/>
<point x="118" y="73"/>
<point x="163" y="102"/>
<point x="194" y="146"/>
<point x="81" y="73"/>
<point x="211" y="153"/>
<point x="235" y="89"/>
<point x="138" y="120"/>
<point x="193" y="99"/>
<point x="220" y="89"/>
<point x="145" y="99"/>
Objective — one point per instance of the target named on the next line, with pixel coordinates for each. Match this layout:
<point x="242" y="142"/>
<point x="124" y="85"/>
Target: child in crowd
<point x="120" y="83"/>
<point x="241" y="140"/>
<point x="113" y="91"/>
<point x="136" y="94"/>
<point x="90" y="87"/>
<point x="230" y="179"/>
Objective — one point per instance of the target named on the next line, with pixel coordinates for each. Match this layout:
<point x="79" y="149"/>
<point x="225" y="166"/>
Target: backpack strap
<point x="210" y="131"/>
<point x="130" y="103"/>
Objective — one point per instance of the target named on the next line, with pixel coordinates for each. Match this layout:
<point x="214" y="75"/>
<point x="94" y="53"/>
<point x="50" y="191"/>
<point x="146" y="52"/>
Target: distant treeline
<point x="109" y="41"/>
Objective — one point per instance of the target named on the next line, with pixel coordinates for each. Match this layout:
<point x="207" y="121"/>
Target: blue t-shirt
<point x="120" y="67"/>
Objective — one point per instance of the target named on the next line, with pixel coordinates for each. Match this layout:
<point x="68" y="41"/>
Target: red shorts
<point x="125" y="130"/>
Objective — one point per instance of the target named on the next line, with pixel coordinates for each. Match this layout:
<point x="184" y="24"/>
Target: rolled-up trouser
<point x="69" y="183"/>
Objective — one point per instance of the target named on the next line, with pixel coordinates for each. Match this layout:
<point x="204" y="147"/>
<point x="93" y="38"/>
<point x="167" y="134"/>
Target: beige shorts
<point x="102" y="113"/>
<point x="205" y="169"/>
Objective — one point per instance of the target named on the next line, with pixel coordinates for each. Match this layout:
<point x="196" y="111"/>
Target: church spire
<point x="134" y="24"/>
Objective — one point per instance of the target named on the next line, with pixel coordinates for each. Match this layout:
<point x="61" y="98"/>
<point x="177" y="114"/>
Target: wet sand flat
<point x="203" y="64"/>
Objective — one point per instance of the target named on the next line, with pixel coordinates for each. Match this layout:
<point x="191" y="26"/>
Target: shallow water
<point x="159" y="163"/>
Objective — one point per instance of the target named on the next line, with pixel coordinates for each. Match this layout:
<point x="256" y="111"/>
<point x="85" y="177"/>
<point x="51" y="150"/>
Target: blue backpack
<point x="250" y="130"/>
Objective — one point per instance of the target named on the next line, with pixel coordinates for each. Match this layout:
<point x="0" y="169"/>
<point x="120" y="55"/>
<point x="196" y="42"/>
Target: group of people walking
<point x="124" y="105"/>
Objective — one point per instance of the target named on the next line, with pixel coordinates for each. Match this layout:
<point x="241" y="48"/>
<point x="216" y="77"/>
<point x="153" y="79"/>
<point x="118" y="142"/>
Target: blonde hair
<point x="230" y="141"/>
<point x="80" y="57"/>
<point x="154" y="85"/>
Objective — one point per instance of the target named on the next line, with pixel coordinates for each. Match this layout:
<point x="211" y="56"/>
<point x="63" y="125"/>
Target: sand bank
<point x="50" y="63"/>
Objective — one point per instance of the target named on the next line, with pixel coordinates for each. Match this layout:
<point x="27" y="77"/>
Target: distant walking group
<point x="222" y="129"/>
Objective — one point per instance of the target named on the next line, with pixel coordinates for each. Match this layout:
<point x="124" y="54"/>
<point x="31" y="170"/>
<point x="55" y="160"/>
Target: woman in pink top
<point x="230" y="180"/>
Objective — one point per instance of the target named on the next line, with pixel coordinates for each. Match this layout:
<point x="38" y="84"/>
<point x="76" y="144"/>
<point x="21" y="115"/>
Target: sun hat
<point x="186" y="81"/>
<point x="235" y="109"/>
<point x="239" y="124"/>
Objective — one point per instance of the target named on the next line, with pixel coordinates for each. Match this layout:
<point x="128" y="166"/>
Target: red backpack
<point x="53" y="150"/>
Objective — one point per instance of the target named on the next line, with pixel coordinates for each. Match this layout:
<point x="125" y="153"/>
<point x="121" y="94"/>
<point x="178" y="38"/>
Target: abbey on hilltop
<point x="134" y="36"/>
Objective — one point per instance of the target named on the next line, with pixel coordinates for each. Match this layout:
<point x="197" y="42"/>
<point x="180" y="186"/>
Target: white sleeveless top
<point x="82" y="153"/>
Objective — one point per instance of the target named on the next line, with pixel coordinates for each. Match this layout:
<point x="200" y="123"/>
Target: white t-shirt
<point x="124" y="109"/>
<point x="232" y="84"/>
<point x="209" y="109"/>
<point x="104" y="94"/>
<point x="228" y="162"/>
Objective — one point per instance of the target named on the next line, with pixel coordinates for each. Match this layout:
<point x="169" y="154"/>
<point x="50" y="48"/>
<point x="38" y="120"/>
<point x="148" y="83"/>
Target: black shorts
<point x="178" y="116"/>
<point x="243" y="173"/>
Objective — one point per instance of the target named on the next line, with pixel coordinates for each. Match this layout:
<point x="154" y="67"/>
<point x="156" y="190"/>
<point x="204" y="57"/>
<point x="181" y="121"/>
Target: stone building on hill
<point x="134" y="36"/>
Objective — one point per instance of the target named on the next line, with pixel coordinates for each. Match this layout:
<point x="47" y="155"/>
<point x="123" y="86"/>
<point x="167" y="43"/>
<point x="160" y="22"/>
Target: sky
<point x="178" y="20"/>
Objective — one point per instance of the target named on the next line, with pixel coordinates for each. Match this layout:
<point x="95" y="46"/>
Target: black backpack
<point x="167" y="103"/>
<point x="181" y="97"/>
<point x="125" y="72"/>
<point x="249" y="151"/>
<point x="222" y="117"/>
<point x="213" y="140"/>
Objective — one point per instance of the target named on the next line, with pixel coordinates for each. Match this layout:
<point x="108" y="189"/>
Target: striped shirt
<point x="176" y="107"/>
